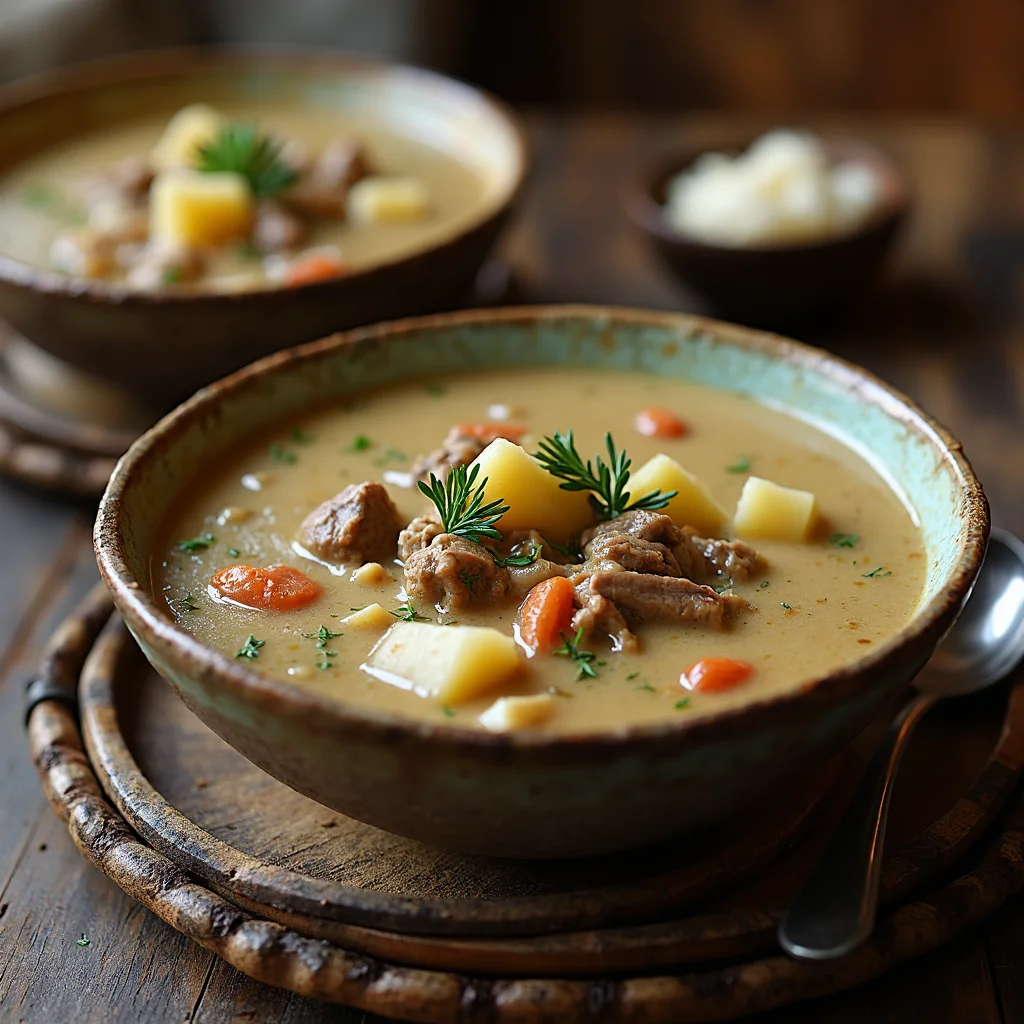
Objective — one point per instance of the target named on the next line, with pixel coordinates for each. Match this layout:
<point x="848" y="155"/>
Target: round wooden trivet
<point x="278" y="955"/>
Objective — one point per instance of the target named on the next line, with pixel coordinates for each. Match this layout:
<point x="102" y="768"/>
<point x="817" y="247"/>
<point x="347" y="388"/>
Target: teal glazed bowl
<point x="162" y="345"/>
<point x="538" y="795"/>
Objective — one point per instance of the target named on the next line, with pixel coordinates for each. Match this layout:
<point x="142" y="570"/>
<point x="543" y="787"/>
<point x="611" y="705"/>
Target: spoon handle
<point x="835" y="911"/>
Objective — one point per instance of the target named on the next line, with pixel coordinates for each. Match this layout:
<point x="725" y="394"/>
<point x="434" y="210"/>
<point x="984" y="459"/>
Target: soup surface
<point x="48" y="197"/>
<point x="809" y="607"/>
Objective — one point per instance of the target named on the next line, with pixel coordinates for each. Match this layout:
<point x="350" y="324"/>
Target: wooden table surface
<point x="947" y="328"/>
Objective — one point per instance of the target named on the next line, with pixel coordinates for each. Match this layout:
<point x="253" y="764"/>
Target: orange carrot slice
<point x="279" y="588"/>
<point x="713" y="675"/>
<point x="489" y="431"/>
<point x="658" y="422"/>
<point x="546" y="614"/>
<point x="318" y="266"/>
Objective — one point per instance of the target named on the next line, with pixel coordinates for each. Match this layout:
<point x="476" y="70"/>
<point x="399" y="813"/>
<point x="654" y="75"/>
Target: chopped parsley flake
<point x="876" y="572"/>
<point x="764" y="584"/>
<point x="788" y="607"/>
<point x="684" y="703"/>
<point x="407" y="613"/>
<point x="518" y="560"/>
<point x="233" y="552"/>
<point x="186" y="603"/>
<point x="741" y="465"/>
<point x="434" y="388"/>
<point x="172" y="275"/>
<point x="197" y="543"/>
<point x="632" y="675"/>
<point x="844" y="540"/>
<point x="582" y="659"/>
<point x="360" y="443"/>
<point x="300" y="436"/>
<point x="447" y="711"/>
<point x="469" y="580"/>
<point x="278" y="453"/>
<point x="647" y="687"/>
<point x="251" y="648"/>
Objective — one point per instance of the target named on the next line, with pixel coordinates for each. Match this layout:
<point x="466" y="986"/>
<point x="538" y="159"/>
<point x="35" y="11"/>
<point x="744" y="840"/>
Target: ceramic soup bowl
<point x="163" y="345"/>
<point x="541" y="795"/>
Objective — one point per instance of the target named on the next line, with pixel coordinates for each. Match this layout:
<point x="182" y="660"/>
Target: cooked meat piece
<point x="642" y="596"/>
<point x="419" y="533"/>
<point x="458" y="449"/>
<point x="128" y="182"/>
<point x="523" y="578"/>
<point x="650" y="542"/>
<point x="730" y="558"/>
<point x="323" y="190"/>
<point x="157" y="265"/>
<point x="276" y="229"/>
<point x="84" y="252"/>
<point x="358" y="525"/>
<point x="600" y="617"/>
<point x="452" y="572"/>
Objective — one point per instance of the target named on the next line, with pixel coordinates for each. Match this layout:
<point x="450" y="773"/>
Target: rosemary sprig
<point x="519" y="561"/>
<point x="459" y="502"/>
<point x="606" y="481"/>
<point x="571" y="649"/>
<point x="407" y="613"/>
<point x="241" y="148"/>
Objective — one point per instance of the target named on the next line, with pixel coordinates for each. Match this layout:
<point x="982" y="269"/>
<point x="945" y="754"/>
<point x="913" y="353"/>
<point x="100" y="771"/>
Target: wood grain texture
<point x="947" y="327"/>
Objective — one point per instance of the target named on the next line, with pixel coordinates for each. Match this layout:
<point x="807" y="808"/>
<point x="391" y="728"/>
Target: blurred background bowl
<point x="773" y="285"/>
<point x="162" y="346"/>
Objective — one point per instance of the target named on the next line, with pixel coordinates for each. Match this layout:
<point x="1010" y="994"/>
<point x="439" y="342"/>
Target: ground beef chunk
<point x="322" y="189"/>
<point x="650" y="542"/>
<point x="458" y="449"/>
<point x="452" y="572"/>
<point x="601" y="618"/>
<point x="358" y="525"/>
<point x="641" y="596"/>
<point x="419" y="533"/>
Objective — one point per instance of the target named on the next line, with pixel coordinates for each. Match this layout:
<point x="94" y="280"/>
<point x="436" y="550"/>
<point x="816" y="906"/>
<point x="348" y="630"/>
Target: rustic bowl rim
<point x="928" y="624"/>
<point x="121" y="70"/>
<point x="649" y="215"/>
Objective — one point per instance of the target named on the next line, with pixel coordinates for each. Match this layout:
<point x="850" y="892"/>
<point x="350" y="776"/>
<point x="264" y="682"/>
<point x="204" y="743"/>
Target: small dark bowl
<point x="162" y="346"/>
<point x="774" y="285"/>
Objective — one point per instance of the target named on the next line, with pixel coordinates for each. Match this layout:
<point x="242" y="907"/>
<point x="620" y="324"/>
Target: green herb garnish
<point x="569" y="552"/>
<point x="197" y="543"/>
<point x="763" y="585"/>
<point x="680" y="704"/>
<point x="434" y="388"/>
<point x="632" y="675"/>
<point x="300" y="436"/>
<point x="606" y="481"/>
<point x="171" y="275"/>
<point x="844" y="540"/>
<point x="233" y="552"/>
<point x="876" y="572"/>
<point x="322" y="636"/>
<point x="741" y="465"/>
<point x="461" y="506"/>
<point x="241" y="148"/>
<point x="360" y="443"/>
<point x="251" y="648"/>
<point x="407" y="613"/>
<point x="646" y="686"/>
<point x="469" y="579"/>
<point x="391" y="455"/>
<point x="278" y="453"/>
<point x="571" y="649"/>
<point x="788" y="607"/>
<point x="518" y="560"/>
<point x="447" y="711"/>
<point x="83" y="940"/>
<point x="186" y="603"/>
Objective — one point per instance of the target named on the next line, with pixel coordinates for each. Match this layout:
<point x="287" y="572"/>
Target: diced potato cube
<point x="196" y="209"/>
<point x="450" y="663"/>
<point x="376" y="200"/>
<point x="774" y="512"/>
<point x="532" y="494"/>
<point x="692" y="506"/>
<point x="190" y="128"/>
<point x="507" y="714"/>
<point x="373" y="616"/>
<point x="371" y="574"/>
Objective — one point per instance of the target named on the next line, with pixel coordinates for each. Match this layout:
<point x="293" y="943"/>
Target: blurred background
<point x="770" y="57"/>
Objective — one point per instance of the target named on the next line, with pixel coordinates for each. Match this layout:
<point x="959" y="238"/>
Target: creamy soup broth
<point x="38" y="196"/>
<point x="818" y="606"/>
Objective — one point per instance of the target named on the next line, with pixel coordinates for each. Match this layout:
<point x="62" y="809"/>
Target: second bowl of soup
<point x="542" y="583"/>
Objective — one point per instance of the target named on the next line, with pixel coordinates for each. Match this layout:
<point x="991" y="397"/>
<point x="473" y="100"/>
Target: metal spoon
<point x="835" y="911"/>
